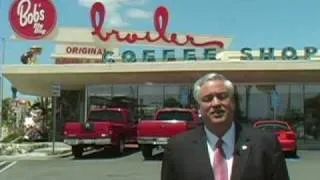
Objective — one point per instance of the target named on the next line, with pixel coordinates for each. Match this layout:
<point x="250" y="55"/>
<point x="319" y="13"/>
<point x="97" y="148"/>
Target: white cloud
<point x="136" y="2"/>
<point x="88" y="3"/>
<point x="116" y="21"/>
<point x="113" y="7"/>
<point x="138" y="13"/>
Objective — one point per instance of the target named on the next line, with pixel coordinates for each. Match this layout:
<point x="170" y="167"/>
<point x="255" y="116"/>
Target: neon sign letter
<point x="161" y="18"/>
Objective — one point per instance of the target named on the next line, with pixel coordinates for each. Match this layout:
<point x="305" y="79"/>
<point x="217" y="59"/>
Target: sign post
<point x="275" y="102"/>
<point x="3" y="44"/>
<point x="56" y="91"/>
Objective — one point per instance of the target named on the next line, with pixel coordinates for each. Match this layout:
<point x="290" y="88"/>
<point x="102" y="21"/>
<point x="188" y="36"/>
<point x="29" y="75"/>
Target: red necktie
<point x="220" y="167"/>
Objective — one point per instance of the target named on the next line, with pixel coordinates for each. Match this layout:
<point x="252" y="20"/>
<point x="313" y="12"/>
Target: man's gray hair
<point x="211" y="77"/>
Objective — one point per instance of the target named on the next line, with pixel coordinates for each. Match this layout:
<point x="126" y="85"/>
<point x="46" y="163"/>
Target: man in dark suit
<point x="222" y="149"/>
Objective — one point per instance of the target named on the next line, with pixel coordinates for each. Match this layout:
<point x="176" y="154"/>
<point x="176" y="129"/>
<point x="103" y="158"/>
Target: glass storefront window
<point x="298" y="104"/>
<point x="261" y="106"/>
<point x="151" y="98"/>
<point x="177" y="95"/>
<point x="106" y="96"/>
<point x="240" y="101"/>
<point x="291" y="99"/>
<point x="145" y="99"/>
<point x="312" y="112"/>
<point x="259" y="102"/>
<point x="99" y="96"/>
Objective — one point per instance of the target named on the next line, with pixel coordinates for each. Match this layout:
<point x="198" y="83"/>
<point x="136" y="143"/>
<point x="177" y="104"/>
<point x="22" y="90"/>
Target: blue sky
<point x="251" y="23"/>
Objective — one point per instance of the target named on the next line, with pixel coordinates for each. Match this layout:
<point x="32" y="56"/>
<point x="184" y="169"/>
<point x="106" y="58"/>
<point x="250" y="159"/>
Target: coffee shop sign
<point x="161" y="19"/>
<point x="287" y="53"/>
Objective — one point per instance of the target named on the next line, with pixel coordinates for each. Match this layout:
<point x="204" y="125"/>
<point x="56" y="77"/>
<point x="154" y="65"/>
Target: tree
<point x="44" y="104"/>
<point x="14" y="92"/>
<point x="8" y="117"/>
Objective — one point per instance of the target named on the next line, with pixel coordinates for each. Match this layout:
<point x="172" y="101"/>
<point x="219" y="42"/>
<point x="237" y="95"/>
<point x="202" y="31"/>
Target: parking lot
<point x="129" y="167"/>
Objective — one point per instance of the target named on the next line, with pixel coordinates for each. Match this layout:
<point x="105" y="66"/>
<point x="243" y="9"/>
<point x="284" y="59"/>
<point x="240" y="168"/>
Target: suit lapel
<point x="201" y="156"/>
<point x="242" y="151"/>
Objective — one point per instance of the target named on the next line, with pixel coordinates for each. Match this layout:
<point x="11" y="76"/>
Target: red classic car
<point x="285" y="133"/>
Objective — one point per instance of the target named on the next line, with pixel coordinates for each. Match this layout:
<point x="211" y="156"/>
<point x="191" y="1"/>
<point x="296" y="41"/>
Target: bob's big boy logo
<point x="33" y="19"/>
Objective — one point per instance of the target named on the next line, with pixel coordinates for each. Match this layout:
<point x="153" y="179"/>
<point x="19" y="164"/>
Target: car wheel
<point x="120" y="147"/>
<point x="293" y="153"/>
<point x="147" y="152"/>
<point x="77" y="151"/>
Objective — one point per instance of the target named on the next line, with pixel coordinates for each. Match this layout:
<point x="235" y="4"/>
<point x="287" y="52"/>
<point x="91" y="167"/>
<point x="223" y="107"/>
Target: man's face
<point x="216" y="105"/>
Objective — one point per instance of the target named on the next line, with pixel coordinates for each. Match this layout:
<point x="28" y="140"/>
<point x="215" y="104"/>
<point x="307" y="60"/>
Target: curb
<point x="37" y="155"/>
<point x="309" y="146"/>
<point x="63" y="154"/>
<point x="312" y="148"/>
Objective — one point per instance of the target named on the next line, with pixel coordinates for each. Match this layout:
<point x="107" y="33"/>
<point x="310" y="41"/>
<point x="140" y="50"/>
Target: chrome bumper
<point x="153" y="140"/>
<point x="101" y="141"/>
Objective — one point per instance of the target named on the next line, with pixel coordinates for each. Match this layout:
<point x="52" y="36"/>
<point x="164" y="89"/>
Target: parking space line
<point x="2" y="163"/>
<point x="6" y="165"/>
<point x="293" y="159"/>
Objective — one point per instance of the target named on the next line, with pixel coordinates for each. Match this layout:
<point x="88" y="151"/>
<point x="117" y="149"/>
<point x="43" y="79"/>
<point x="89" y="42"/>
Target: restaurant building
<point x="97" y="68"/>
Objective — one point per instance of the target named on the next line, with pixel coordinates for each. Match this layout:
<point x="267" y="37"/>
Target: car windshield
<point x="175" y="115"/>
<point x="273" y="127"/>
<point x="105" y="116"/>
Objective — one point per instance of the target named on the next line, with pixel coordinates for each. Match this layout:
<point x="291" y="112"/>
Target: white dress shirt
<point x="228" y="146"/>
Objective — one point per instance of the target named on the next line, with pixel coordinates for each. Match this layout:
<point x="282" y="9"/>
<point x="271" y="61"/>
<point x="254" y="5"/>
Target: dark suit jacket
<point x="186" y="156"/>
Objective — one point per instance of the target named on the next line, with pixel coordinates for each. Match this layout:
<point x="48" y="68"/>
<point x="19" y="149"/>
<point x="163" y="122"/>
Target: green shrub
<point x="11" y="137"/>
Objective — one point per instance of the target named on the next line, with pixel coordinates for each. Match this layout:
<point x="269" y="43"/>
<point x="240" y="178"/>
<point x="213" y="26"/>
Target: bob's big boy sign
<point x="33" y="19"/>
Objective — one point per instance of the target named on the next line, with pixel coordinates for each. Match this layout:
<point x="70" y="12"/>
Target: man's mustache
<point x="218" y="110"/>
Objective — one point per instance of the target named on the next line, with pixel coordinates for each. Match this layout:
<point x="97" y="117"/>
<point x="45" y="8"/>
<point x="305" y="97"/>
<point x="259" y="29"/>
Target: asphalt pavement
<point x="98" y="165"/>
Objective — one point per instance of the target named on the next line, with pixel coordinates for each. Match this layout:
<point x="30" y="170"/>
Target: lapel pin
<point x="244" y="147"/>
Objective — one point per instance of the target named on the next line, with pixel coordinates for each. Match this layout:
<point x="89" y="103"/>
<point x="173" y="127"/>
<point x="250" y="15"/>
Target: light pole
<point x="3" y="42"/>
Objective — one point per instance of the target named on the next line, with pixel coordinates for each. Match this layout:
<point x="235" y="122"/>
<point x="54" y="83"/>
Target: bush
<point x="11" y="137"/>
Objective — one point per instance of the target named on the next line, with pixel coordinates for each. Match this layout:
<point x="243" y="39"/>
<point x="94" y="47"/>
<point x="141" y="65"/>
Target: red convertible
<point x="285" y="133"/>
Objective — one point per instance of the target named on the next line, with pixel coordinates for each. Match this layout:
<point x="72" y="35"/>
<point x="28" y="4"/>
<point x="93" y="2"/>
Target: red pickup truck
<point x="110" y="128"/>
<point x="166" y="123"/>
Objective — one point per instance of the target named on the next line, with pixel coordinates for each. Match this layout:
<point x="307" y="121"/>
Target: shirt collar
<point x="228" y="138"/>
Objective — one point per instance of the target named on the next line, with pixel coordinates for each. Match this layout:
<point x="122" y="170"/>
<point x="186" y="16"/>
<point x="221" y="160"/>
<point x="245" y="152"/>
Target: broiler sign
<point x="33" y="19"/>
<point x="161" y="20"/>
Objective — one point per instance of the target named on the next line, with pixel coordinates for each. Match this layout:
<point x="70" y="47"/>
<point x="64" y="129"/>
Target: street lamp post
<point x="3" y="42"/>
